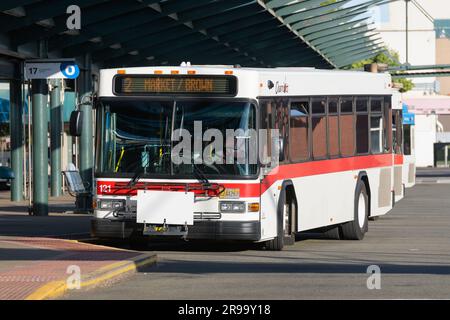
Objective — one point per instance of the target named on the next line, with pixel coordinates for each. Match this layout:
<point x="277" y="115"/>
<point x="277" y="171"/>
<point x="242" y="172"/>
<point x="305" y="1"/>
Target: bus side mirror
<point x="75" y="123"/>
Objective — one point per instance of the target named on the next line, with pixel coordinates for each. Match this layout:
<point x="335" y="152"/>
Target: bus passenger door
<point x="273" y="115"/>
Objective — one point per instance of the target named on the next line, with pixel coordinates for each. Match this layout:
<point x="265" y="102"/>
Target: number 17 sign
<point x="51" y="69"/>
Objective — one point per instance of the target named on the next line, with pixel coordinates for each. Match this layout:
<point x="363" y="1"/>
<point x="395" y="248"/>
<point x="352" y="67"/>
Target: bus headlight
<point x="232" y="206"/>
<point x="109" y="204"/>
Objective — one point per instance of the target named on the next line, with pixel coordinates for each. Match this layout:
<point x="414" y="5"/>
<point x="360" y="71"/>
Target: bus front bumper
<point x="207" y="230"/>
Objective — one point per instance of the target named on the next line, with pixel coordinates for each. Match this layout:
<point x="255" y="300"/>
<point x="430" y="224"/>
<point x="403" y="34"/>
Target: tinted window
<point x="361" y="104"/>
<point x="362" y="133"/>
<point x="318" y="105"/>
<point x="319" y="139"/>
<point x="333" y="135"/>
<point x="346" y="105"/>
<point x="407" y="139"/>
<point x="298" y="132"/>
<point x="332" y="105"/>
<point x="375" y="105"/>
<point x="347" y="134"/>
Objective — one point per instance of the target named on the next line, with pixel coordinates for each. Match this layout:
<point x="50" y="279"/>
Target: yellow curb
<point x="56" y="289"/>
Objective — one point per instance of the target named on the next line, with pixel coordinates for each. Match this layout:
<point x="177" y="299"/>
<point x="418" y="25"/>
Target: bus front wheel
<point x="355" y="230"/>
<point x="286" y="228"/>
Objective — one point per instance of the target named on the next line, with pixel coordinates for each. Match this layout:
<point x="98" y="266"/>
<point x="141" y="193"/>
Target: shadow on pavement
<point x="432" y="172"/>
<point x="63" y="226"/>
<point x="196" y="245"/>
<point x="212" y="267"/>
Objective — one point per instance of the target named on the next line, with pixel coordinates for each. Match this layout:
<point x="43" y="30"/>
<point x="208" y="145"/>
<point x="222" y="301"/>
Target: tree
<point x="392" y="60"/>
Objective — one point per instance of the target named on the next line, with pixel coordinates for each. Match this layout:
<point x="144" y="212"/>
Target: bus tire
<point x="393" y="199"/>
<point x="332" y="234"/>
<point x="285" y="233"/>
<point x="355" y="230"/>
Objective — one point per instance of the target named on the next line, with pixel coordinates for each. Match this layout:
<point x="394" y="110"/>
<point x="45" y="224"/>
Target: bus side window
<point x="333" y="127"/>
<point x="407" y="139"/>
<point x="298" y="132"/>
<point x="399" y="138"/>
<point x="394" y="130"/>
<point x="397" y="142"/>
<point x="265" y="113"/>
<point x="387" y="122"/>
<point x="319" y="128"/>
<point x="362" y="125"/>
<point x="346" y="126"/>
<point x="376" y="125"/>
<point x="283" y="124"/>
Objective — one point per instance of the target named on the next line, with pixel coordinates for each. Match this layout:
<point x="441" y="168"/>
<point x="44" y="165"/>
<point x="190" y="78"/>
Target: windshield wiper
<point x="137" y="174"/>
<point x="200" y="175"/>
<point x="135" y="178"/>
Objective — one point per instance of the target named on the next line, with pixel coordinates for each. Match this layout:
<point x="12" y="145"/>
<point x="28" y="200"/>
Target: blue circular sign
<point x="70" y="70"/>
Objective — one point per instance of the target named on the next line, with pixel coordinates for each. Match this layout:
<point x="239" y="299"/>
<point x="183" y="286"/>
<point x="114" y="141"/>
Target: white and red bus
<point x="335" y="155"/>
<point x="397" y="146"/>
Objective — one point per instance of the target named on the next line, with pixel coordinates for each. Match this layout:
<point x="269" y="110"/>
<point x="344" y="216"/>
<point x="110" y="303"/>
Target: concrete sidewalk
<point x="43" y="268"/>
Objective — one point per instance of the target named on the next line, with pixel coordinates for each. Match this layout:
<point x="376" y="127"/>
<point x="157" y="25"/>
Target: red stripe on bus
<point x="282" y="172"/>
<point x="398" y="159"/>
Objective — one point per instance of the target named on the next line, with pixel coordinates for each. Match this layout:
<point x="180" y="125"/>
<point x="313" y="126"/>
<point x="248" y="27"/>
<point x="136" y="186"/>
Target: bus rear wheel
<point x="356" y="229"/>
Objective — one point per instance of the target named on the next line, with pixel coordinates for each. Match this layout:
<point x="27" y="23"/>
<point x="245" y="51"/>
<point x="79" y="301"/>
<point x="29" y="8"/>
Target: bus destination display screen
<point x="193" y="85"/>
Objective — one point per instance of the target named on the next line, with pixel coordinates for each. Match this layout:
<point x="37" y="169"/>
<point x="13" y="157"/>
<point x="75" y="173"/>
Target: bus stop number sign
<point x="51" y="70"/>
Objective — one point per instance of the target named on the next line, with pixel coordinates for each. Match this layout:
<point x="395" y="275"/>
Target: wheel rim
<point x="286" y="222"/>
<point x="361" y="210"/>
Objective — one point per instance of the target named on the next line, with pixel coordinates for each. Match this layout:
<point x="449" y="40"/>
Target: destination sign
<point x="175" y="85"/>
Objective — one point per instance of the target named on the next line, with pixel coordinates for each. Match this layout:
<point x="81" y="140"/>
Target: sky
<point x="438" y="9"/>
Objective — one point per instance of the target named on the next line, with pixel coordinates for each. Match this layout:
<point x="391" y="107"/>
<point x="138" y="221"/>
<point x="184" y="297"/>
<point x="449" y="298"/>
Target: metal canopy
<point x="252" y="33"/>
<point x="330" y="25"/>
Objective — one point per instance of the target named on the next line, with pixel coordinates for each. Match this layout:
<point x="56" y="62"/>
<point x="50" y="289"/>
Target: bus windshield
<point x="137" y="136"/>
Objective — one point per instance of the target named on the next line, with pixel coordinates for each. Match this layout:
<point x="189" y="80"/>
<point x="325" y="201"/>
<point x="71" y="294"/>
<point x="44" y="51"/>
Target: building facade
<point x="428" y="44"/>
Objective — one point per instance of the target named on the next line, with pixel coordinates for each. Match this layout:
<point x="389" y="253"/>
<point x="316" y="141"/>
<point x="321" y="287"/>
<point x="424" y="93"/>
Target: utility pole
<point x="406" y="30"/>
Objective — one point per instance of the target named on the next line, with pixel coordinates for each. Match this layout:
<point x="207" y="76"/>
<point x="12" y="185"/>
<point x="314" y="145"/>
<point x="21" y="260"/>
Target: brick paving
<point x="26" y="276"/>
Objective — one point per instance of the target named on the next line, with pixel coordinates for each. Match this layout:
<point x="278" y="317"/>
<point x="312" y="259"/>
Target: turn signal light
<point x="157" y="72"/>
<point x="253" y="207"/>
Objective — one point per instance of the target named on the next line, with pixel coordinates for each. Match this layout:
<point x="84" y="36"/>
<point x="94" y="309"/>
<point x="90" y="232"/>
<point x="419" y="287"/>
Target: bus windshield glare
<point x="140" y="136"/>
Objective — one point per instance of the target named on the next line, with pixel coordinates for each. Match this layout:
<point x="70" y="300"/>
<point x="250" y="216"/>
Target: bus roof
<point x="256" y="82"/>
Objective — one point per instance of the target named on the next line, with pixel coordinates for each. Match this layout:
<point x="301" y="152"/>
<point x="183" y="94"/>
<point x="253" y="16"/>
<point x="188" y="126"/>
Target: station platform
<point x="61" y="204"/>
<point x="39" y="254"/>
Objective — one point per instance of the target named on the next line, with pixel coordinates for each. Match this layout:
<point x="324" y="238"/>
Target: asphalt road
<point x="410" y="245"/>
